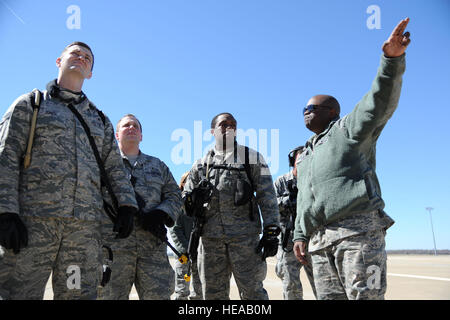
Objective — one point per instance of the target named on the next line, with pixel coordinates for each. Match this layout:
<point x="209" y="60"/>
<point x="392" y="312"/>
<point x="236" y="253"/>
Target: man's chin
<point x="308" y="124"/>
<point x="75" y="70"/>
<point x="310" y="127"/>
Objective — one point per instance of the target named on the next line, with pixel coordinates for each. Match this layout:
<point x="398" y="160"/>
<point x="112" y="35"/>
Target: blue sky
<point x="175" y="64"/>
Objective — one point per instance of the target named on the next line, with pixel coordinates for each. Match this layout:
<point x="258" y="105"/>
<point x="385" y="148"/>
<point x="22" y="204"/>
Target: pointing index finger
<point x="398" y="30"/>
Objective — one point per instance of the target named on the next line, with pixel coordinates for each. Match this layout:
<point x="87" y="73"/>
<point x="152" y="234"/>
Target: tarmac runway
<point x="410" y="277"/>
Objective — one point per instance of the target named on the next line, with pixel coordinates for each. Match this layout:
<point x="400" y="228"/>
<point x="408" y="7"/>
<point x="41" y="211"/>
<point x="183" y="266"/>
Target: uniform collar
<point x="232" y="156"/>
<point x="313" y="140"/>
<point x="65" y="95"/>
<point x="139" y="159"/>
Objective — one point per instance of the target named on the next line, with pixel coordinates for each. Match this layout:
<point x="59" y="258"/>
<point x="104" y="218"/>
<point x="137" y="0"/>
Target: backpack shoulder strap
<point x="36" y="96"/>
<point x="203" y="168"/>
<point x="104" y="177"/>
<point x="247" y="168"/>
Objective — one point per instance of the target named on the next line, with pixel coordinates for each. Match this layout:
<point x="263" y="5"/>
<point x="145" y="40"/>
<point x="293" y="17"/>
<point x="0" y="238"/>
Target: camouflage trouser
<point x="69" y="248"/>
<point x="288" y="270"/>
<point x="182" y="291"/>
<point x="6" y="269"/>
<point x="221" y="258"/>
<point x="141" y="259"/>
<point x="353" y="268"/>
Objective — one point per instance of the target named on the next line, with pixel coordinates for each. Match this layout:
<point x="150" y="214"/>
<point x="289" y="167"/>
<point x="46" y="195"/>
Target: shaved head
<point x="326" y="100"/>
<point x="320" y="111"/>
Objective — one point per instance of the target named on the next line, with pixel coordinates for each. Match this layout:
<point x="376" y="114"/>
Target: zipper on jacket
<point x="311" y="164"/>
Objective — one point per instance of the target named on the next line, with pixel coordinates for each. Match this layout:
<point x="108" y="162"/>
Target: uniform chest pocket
<point x="153" y="175"/>
<point x="97" y="130"/>
<point x="152" y="187"/>
<point x="236" y="179"/>
<point x="53" y="130"/>
<point x="52" y="120"/>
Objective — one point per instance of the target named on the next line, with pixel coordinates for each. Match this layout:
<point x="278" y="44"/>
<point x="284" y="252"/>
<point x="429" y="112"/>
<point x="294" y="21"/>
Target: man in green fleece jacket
<point x="339" y="204"/>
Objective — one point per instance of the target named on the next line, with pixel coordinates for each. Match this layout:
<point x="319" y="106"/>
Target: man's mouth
<point x="77" y="63"/>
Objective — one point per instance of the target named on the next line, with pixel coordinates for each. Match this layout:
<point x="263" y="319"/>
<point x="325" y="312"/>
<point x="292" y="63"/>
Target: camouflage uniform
<point x="288" y="267"/>
<point x="141" y="259"/>
<point x="231" y="234"/>
<point x="357" y="247"/>
<point x="58" y="196"/>
<point x="6" y="270"/>
<point x="180" y="233"/>
<point x="339" y="204"/>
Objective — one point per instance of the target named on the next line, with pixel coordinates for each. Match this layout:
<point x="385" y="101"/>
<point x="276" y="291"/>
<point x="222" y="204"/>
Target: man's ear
<point x="117" y="136"/>
<point x="58" y="62"/>
<point x="89" y="75"/>
<point x="333" y="113"/>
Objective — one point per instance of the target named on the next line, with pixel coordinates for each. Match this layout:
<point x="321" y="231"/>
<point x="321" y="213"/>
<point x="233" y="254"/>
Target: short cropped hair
<point x="81" y="44"/>
<point x="129" y="115"/>
<point x="214" y="120"/>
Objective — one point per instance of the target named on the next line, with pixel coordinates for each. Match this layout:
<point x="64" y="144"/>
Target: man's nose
<point x="81" y="57"/>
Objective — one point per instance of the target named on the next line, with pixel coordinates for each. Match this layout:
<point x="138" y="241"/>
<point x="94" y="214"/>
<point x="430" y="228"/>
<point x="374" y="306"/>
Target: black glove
<point x="124" y="221"/>
<point x="269" y="242"/>
<point x="195" y="199"/>
<point x="154" y="221"/>
<point x="189" y="204"/>
<point x="13" y="233"/>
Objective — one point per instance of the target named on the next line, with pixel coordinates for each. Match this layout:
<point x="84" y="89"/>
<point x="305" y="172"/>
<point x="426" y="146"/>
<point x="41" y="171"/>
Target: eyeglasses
<point x="313" y="107"/>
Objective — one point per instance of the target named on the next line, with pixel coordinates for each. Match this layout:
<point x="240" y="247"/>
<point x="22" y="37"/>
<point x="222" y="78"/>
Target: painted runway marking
<point x="417" y="277"/>
<point x="399" y="275"/>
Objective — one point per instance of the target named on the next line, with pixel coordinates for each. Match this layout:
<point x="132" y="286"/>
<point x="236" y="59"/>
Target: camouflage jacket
<point x="181" y="232"/>
<point x="155" y="184"/>
<point x="63" y="179"/>
<point x="336" y="171"/>
<point x="223" y="217"/>
<point x="285" y="206"/>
